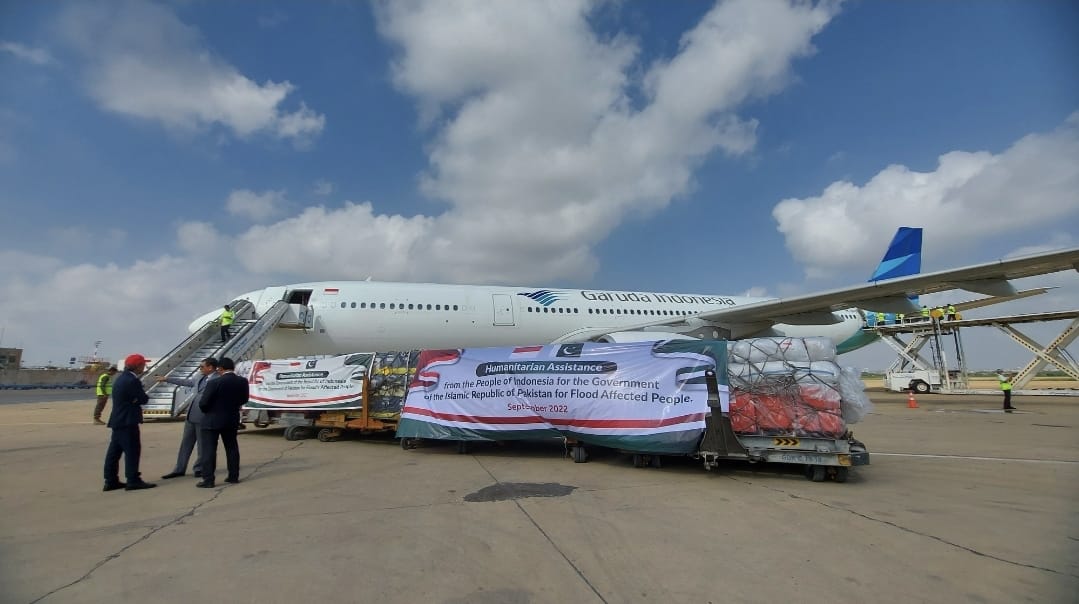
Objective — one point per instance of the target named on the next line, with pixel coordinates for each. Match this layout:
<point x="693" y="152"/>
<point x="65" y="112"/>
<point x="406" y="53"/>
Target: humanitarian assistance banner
<point x="641" y="396"/>
<point x="306" y="384"/>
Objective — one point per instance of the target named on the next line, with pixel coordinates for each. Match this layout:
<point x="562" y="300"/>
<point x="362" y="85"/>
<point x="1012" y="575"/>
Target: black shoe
<point x="138" y="486"/>
<point x="172" y="475"/>
<point x="241" y="427"/>
<point x="114" y="486"/>
<point x="232" y="480"/>
<point x="205" y="485"/>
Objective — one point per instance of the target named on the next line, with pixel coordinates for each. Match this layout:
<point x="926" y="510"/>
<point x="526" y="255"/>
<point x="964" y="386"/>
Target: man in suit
<point x="128" y="397"/>
<point x="220" y="404"/>
<point x="208" y="369"/>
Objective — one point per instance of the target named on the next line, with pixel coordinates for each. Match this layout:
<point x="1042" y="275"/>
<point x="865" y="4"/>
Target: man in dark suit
<point x="128" y="397"/>
<point x="220" y="404"/>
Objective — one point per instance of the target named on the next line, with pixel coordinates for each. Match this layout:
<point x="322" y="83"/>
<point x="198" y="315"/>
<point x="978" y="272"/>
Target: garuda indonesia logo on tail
<point x="545" y="297"/>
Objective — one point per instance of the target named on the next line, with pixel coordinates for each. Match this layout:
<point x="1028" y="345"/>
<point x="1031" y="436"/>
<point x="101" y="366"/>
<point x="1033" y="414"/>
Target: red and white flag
<point x="332" y="291"/>
<point x="525" y="352"/>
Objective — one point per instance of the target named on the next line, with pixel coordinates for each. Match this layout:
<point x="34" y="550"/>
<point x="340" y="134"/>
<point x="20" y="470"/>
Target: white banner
<point x="306" y="384"/>
<point x="632" y="389"/>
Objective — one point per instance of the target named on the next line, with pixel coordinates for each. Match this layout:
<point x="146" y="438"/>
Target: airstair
<point x="247" y="335"/>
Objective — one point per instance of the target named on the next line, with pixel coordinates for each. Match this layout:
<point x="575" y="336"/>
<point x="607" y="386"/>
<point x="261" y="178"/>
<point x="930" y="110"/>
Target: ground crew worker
<point x="227" y="317"/>
<point x="900" y="317"/>
<point x="925" y="312"/>
<point x="951" y="312"/>
<point x="1006" y="387"/>
<point x="880" y="318"/>
<point x="104" y="389"/>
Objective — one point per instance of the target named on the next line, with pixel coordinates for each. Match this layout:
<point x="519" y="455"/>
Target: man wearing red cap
<point x="128" y="397"/>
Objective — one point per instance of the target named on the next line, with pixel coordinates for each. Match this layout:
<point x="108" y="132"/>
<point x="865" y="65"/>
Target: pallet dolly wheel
<point x="579" y="454"/>
<point x="841" y="474"/>
<point x="816" y="473"/>
<point x="328" y="435"/>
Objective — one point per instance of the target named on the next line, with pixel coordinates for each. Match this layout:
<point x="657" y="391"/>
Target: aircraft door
<point x="503" y="305"/>
<point x="300" y="314"/>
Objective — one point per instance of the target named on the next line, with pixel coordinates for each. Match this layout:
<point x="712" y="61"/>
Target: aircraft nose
<point x="198" y="323"/>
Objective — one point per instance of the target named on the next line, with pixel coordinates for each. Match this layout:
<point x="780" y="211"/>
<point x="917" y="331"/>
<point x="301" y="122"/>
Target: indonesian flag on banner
<point x="526" y="352"/>
<point x="333" y="291"/>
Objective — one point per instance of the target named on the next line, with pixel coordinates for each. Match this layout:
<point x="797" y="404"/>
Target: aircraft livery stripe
<point x="535" y="419"/>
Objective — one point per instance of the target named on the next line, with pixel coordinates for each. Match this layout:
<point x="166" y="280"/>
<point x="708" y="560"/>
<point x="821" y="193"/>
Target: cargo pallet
<point x="327" y="426"/>
<point x="822" y="457"/>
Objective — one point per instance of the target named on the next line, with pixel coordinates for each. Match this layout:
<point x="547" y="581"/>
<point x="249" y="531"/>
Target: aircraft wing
<point x="893" y="295"/>
<point x="890" y="295"/>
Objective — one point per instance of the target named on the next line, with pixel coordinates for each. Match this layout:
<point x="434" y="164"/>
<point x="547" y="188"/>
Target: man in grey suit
<point x="220" y="404"/>
<point x="188" y="441"/>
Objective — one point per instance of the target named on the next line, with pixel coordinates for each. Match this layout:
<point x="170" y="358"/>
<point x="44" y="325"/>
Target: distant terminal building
<point x="10" y="358"/>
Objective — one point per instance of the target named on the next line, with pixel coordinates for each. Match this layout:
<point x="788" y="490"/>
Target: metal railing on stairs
<point x="248" y="334"/>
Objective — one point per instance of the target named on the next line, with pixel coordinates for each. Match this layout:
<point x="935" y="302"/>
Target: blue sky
<point x="158" y="158"/>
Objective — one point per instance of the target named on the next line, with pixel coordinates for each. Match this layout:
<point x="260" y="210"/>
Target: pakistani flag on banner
<point x="642" y="396"/>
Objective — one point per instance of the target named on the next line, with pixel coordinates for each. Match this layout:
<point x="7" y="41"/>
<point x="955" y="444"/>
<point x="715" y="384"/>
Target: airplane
<point x="339" y="317"/>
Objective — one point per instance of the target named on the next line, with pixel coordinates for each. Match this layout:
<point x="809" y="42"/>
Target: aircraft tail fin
<point x="903" y="257"/>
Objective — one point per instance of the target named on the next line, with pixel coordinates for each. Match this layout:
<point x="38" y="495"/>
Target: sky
<point x="159" y="158"/>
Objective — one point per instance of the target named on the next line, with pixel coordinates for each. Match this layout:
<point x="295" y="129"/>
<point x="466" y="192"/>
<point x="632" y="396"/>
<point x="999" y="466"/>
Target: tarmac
<point x="962" y="503"/>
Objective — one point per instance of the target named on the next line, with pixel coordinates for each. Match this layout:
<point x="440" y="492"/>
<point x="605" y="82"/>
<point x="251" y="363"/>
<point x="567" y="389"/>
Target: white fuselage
<point x="352" y="316"/>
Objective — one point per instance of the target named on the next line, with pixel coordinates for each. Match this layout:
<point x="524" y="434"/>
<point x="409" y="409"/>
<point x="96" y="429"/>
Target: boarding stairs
<point x="247" y="336"/>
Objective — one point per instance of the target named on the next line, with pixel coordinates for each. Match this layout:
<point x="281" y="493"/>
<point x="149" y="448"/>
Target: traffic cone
<point x="911" y="403"/>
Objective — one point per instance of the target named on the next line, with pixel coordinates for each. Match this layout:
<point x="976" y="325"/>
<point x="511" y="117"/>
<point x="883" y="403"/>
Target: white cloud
<point x="140" y="60"/>
<point x="201" y="240"/>
<point x="323" y="187"/>
<point x="970" y="197"/>
<point x="349" y="242"/>
<point x="257" y="207"/>
<point x="538" y="146"/>
<point x="37" y="56"/>
<point x="142" y="307"/>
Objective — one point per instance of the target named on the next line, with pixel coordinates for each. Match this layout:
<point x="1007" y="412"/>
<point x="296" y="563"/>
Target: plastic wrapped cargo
<point x="791" y="387"/>
<point x="855" y="403"/>
<point x="758" y="350"/>
<point x="802" y="372"/>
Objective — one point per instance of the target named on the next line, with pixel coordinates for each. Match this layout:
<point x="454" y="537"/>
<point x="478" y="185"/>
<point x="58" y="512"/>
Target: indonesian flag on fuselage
<point x="332" y="291"/>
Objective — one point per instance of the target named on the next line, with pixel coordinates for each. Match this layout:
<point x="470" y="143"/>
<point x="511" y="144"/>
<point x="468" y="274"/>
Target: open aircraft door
<point x="503" y="305"/>
<point x="300" y="314"/>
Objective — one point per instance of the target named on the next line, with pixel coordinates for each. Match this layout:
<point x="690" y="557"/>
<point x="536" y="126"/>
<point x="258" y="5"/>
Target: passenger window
<point x="410" y="307"/>
<point x="363" y="305"/>
<point x="454" y="307"/>
<point x="342" y="305"/>
<point x="383" y="305"/>
<point x="353" y="305"/>
<point x="428" y="307"/>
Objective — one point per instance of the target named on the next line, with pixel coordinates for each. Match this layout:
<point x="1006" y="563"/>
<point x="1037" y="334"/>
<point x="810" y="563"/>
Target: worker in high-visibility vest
<point x="103" y="391"/>
<point x="951" y="312"/>
<point x="1006" y="387"/>
<point x="226" y="318"/>
<point x="880" y="318"/>
<point x="925" y="313"/>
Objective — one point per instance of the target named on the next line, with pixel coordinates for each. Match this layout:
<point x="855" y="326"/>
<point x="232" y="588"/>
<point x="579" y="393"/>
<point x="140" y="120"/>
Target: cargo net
<point x="390" y="375"/>
<point x="792" y="387"/>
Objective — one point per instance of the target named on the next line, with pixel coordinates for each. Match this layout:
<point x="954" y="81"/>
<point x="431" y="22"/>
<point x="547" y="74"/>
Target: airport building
<point x="10" y="358"/>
